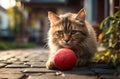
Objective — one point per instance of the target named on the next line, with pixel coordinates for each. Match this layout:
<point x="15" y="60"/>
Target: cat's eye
<point x="59" y="32"/>
<point x="74" y="31"/>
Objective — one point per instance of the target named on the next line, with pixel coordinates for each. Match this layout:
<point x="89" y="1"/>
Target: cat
<point x="71" y="31"/>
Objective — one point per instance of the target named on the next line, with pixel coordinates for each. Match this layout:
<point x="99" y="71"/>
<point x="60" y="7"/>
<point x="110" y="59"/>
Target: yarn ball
<point x="65" y="59"/>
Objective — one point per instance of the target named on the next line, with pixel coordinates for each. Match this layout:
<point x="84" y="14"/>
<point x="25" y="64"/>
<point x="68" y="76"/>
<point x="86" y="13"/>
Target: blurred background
<point x="26" y="21"/>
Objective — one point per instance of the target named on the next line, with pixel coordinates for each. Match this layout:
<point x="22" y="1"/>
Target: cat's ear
<point x="52" y="17"/>
<point x="81" y="15"/>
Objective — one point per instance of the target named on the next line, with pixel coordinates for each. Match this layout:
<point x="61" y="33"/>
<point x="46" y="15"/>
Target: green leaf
<point x="114" y="59"/>
<point x="117" y="14"/>
<point x="107" y="19"/>
<point x="110" y="30"/>
<point x="110" y="48"/>
<point x="113" y="46"/>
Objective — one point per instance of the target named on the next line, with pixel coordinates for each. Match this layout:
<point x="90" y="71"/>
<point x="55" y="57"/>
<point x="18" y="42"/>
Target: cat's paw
<point x="50" y="65"/>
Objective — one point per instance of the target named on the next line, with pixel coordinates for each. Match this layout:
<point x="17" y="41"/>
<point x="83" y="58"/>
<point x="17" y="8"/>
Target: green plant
<point x="111" y="37"/>
<point x="14" y="45"/>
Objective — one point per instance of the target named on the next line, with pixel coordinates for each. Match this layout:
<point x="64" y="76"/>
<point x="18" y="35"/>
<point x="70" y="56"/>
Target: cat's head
<point x="69" y="29"/>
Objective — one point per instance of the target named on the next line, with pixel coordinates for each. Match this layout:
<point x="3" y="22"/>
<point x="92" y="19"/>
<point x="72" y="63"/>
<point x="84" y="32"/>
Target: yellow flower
<point x="107" y="53"/>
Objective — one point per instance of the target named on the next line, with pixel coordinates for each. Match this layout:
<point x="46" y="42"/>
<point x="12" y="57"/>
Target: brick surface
<point x="11" y="76"/>
<point x="6" y="57"/>
<point x="101" y="71"/>
<point x="30" y="64"/>
<point x="2" y="65"/>
<point x="81" y="72"/>
<point x="11" y="70"/>
<point x="109" y="77"/>
<point x="38" y="70"/>
<point x="7" y="62"/>
<point x="62" y="77"/>
<point x="37" y="66"/>
<point x="105" y="66"/>
<point x="17" y="66"/>
<point x="18" y="63"/>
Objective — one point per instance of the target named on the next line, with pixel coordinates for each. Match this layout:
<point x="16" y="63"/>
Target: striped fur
<point x="71" y="31"/>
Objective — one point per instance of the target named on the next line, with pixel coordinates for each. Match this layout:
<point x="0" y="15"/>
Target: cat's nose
<point x="66" y="40"/>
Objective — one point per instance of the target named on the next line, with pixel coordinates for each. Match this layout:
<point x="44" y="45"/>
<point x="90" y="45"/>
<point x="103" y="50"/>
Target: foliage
<point x="14" y="45"/>
<point x="111" y="38"/>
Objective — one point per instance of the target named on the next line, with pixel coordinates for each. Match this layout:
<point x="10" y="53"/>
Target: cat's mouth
<point x="66" y="44"/>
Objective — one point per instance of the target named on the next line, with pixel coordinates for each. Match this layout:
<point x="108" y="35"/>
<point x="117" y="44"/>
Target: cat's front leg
<point x="50" y="64"/>
<point x="81" y="62"/>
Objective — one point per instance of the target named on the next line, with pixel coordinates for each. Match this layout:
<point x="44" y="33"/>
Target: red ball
<point x="65" y="59"/>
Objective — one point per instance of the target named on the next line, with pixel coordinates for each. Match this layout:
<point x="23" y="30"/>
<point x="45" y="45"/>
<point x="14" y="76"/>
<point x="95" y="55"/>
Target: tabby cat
<point x="72" y="31"/>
